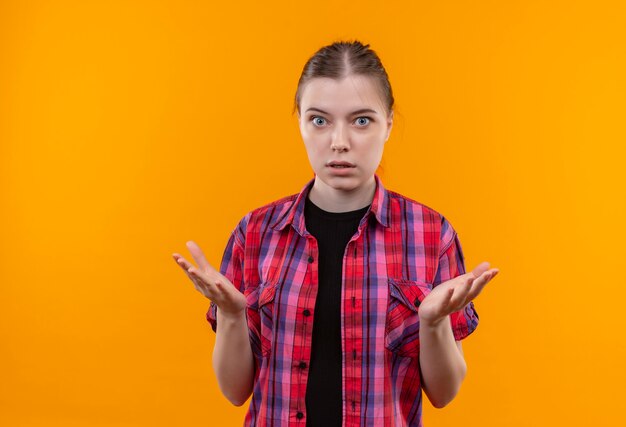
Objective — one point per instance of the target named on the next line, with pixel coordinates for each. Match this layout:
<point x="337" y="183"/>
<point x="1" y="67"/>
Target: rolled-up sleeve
<point x="451" y="265"/>
<point x="231" y="266"/>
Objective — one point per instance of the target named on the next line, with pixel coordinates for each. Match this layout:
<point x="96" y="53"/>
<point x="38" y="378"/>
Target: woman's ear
<point x="389" y="124"/>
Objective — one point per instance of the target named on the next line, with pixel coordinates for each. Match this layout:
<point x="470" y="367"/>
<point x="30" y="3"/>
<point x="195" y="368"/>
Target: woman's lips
<point x="340" y="164"/>
<point x="340" y="169"/>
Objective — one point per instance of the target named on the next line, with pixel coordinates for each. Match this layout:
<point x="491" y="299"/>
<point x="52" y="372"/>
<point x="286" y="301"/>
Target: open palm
<point x="211" y="283"/>
<point x="454" y="294"/>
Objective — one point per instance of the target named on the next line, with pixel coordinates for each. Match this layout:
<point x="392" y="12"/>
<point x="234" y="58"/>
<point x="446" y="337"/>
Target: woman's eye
<point x="318" y="121"/>
<point x="362" y="121"/>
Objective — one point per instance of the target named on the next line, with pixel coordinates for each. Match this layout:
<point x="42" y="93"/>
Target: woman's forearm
<point x="442" y="364"/>
<point x="232" y="358"/>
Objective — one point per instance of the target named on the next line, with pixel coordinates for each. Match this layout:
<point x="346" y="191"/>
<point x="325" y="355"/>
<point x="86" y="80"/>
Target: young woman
<point x="338" y="305"/>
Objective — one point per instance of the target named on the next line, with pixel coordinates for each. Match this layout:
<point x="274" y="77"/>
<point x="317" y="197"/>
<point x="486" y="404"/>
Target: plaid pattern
<point x="401" y="250"/>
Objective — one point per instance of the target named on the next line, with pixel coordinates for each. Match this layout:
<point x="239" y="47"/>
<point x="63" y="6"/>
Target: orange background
<point x="128" y="128"/>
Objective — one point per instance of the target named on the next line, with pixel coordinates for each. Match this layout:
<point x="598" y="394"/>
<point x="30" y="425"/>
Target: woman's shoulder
<point x="403" y="202"/>
<point x="275" y="207"/>
<point x="267" y="213"/>
<point x="422" y="216"/>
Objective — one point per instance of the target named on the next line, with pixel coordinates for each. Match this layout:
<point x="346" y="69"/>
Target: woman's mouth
<point x="341" y="168"/>
<point x="340" y="164"/>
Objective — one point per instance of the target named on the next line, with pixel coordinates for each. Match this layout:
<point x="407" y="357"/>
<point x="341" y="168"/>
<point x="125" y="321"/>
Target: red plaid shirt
<point x="401" y="250"/>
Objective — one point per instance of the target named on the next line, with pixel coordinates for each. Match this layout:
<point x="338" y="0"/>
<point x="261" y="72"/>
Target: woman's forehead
<point x="350" y="93"/>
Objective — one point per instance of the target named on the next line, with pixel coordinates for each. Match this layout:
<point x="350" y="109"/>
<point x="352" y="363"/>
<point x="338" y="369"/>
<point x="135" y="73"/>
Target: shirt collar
<point x="295" y="214"/>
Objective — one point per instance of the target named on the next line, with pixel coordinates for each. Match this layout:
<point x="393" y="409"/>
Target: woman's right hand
<point x="211" y="283"/>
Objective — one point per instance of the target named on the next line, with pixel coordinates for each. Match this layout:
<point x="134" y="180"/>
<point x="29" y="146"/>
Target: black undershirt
<point x="333" y="231"/>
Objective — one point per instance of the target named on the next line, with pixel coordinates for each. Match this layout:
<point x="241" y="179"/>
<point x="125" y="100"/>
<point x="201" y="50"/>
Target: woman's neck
<point x="338" y="200"/>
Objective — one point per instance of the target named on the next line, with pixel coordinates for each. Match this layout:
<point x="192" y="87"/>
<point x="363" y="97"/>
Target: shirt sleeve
<point x="231" y="266"/>
<point x="451" y="265"/>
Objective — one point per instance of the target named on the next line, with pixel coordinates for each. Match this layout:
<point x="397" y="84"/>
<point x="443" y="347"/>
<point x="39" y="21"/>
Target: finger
<point x="184" y="264"/>
<point x="480" y="283"/>
<point x="480" y="269"/>
<point x="195" y="280"/>
<point x="187" y="267"/>
<point x="198" y="256"/>
<point x="460" y="293"/>
<point x="474" y="274"/>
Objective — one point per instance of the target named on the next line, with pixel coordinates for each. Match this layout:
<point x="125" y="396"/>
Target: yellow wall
<point x="128" y="128"/>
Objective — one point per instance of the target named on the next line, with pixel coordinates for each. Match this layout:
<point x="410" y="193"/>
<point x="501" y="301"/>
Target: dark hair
<point x="341" y="59"/>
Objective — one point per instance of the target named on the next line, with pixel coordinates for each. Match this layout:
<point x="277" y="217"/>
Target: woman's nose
<point x="340" y="139"/>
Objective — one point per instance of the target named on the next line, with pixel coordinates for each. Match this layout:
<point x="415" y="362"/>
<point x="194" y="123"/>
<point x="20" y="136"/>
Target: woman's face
<point x="344" y="121"/>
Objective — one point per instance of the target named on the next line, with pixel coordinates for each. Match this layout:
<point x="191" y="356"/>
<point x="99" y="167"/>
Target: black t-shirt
<point x="333" y="231"/>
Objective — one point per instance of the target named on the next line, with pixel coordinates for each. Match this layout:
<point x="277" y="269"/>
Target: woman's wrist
<point x="435" y="325"/>
<point x="236" y="317"/>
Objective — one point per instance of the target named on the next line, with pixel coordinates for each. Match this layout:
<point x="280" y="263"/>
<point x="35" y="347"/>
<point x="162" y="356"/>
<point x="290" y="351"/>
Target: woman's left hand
<point x="454" y="294"/>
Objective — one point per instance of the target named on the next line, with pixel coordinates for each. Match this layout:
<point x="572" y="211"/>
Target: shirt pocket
<point x="402" y="321"/>
<point x="267" y="322"/>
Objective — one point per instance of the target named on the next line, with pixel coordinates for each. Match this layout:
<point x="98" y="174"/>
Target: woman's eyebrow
<point x="361" y="111"/>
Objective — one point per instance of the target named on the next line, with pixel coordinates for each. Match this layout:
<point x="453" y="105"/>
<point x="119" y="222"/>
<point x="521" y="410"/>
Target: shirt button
<point x="302" y="365"/>
<point x="299" y="415"/>
<point x="306" y="312"/>
<point x="310" y="259"/>
<point x="416" y="302"/>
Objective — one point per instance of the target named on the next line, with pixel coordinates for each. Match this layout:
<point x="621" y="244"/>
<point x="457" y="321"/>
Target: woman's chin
<point x="343" y="183"/>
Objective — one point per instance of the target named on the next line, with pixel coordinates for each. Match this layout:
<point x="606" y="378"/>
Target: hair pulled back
<point x="341" y="59"/>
